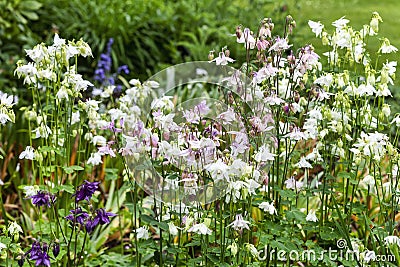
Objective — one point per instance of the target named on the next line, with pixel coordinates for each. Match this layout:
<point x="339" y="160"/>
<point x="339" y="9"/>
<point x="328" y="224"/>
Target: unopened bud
<point x="239" y="32"/>
<point x="211" y="55"/>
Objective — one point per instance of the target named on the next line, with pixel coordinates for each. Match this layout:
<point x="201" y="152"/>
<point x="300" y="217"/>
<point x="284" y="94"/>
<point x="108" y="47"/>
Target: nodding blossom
<point x="86" y="190"/>
<point x="28" y="153"/>
<point x="200" y="229"/>
<point x="239" y="223"/>
<point x="311" y="217"/>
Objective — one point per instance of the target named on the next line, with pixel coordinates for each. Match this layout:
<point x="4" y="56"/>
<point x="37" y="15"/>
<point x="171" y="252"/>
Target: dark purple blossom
<point x="42" y="198"/>
<point x="21" y="262"/>
<point x="39" y="254"/>
<point x="104" y="216"/>
<point x="56" y="249"/>
<point x="41" y="258"/>
<point x="86" y="190"/>
<point x="91" y="224"/>
<point x="77" y="215"/>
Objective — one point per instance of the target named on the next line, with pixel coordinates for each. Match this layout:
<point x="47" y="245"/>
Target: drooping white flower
<point x="296" y="134"/>
<point x="31" y="190"/>
<point x="311" y="217"/>
<point x="142" y="232"/>
<point x="43" y="131"/>
<point x="99" y="140"/>
<point x="173" y="230"/>
<point x="222" y="59"/>
<point x="280" y="44"/>
<point x="28" y="153"/>
<point x="218" y="170"/>
<point x="291" y="183"/>
<point x="252" y="186"/>
<point x="340" y="23"/>
<point x="75" y="118"/>
<point x="264" y="154"/>
<point x="14" y="228"/>
<point x="325" y="80"/>
<point x="200" y="229"/>
<point x="2" y="246"/>
<point x="267" y="207"/>
<point x="228" y="116"/>
<point x="247" y="39"/>
<point x="386" y="47"/>
<point x="316" y="27"/>
<point x="58" y="41"/>
<point x="233" y="247"/>
<point x="303" y="163"/>
<point x="94" y="159"/>
<point x="239" y="223"/>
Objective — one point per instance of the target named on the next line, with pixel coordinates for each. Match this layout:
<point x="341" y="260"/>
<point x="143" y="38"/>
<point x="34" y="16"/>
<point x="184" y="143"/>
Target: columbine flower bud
<point x="211" y="55"/>
<point x="239" y="31"/>
<point x="386" y="110"/>
<point x="325" y="39"/>
<point x="234" y="249"/>
<point x="20" y="261"/>
<point x="375" y="21"/>
<point x="56" y="249"/>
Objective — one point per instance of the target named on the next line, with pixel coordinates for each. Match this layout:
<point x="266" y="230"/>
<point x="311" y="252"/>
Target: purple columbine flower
<point x="103" y="216"/>
<point x="91" y="224"/>
<point x="86" y="190"/>
<point x="39" y="254"/>
<point x="78" y="216"/>
<point x="42" y="198"/>
<point x="41" y="258"/>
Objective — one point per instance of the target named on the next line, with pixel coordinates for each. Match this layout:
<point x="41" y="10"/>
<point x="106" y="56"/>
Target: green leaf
<point x="31" y="5"/>
<point x="71" y="169"/>
<point x="30" y="15"/>
<point x="147" y="219"/>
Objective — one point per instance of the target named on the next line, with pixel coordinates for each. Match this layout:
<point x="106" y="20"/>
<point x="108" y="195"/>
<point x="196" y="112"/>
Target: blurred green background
<point x="152" y="34"/>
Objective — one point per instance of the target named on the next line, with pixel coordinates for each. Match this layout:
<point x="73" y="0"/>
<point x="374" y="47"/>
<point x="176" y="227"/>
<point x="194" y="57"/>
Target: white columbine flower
<point x="200" y="229"/>
<point x="95" y="159"/>
<point x="291" y="183"/>
<point x="222" y="59"/>
<point x="2" y="246"/>
<point x="386" y="47"/>
<point x="303" y="163"/>
<point x="173" y="230"/>
<point x="264" y="154"/>
<point x="14" y="228"/>
<point x="234" y="248"/>
<point x="99" y="140"/>
<point x="311" y="217"/>
<point x="239" y="223"/>
<point x="31" y="190"/>
<point x="142" y="232"/>
<point x="340" y="23"/>
<point x="316" y="27"/>
<point x="247" y="39"/>
<point x="28" y="153"/>
<point x="267" y="207"/>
